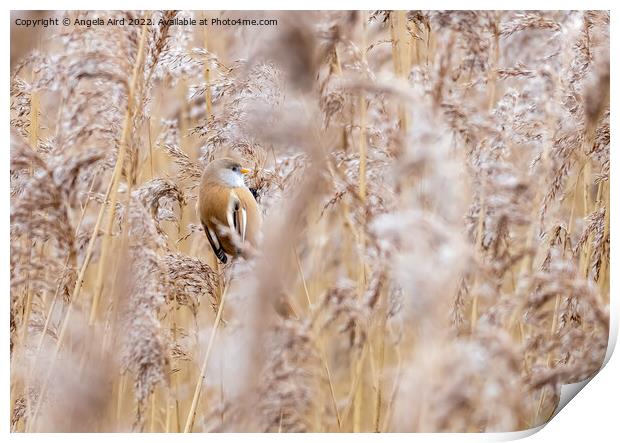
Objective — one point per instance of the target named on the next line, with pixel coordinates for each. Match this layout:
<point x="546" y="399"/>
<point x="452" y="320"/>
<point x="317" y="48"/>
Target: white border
<point x="592" y="415"/>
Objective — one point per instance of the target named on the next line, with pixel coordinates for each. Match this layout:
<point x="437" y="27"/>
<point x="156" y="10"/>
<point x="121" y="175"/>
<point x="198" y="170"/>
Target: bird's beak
<point x="245" y="171"/>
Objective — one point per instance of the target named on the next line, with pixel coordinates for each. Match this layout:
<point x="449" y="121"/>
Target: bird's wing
<point x="214" y="241"/>
<point x="213" y="208"/>
<point x="238" y="217"/>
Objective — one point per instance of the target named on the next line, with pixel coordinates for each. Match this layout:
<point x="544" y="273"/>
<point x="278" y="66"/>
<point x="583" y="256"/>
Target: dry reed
<point x="435" y="254"/>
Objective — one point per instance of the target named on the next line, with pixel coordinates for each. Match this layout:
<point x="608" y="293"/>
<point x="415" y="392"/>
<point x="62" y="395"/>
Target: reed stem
<point x="203" y="369"/>
<point x="116" y="176"/>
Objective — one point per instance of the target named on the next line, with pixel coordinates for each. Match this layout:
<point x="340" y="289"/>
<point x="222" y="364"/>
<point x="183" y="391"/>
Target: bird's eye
<point x="235" y="168"/>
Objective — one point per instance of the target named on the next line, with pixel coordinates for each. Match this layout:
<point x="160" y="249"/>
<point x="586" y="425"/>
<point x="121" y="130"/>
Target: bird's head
<point x="227" y="171"/>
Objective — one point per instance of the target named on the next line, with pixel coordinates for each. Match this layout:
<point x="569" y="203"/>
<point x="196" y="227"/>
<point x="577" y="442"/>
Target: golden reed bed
<point x="435" y="245"/>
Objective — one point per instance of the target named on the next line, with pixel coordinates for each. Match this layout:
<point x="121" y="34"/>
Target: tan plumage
<point x="227" y="209"/>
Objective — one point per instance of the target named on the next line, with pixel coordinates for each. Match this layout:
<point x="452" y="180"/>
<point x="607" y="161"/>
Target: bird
<point x="227" y="209"/>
